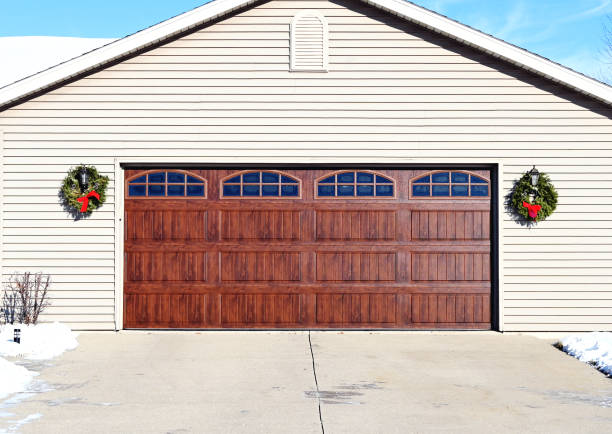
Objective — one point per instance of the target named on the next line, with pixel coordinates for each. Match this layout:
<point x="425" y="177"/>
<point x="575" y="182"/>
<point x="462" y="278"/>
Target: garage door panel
<point x="261" y="309"/>
<point x="260" y="266"/>
<point x="364" y="309"/>
<point x="450" y="266"/>
<point x="166" y="266"/>
<point x="356" y="266"/>
<point x="450" y="308"/>
<point x="166" y="225"/>
<point x="450" y="225"/>
<point x="356" y="225"/>
<point x="166" y="310"/>
<point x="261" y="225"/>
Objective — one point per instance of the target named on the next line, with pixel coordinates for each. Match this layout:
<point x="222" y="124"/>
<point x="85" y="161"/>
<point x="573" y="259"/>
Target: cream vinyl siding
<point x="393" y="93"/>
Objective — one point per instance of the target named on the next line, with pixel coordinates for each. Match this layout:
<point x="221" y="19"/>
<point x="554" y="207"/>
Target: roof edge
<point x="497" y="47"/>
<point x="143" y="39"/>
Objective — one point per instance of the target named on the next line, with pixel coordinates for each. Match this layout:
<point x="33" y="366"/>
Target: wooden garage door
<point x="307" y="249"/>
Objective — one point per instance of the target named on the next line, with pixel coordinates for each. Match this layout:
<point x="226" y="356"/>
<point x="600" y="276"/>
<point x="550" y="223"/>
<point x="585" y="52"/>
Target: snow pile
<point x="594" y="348"/>
<point x="26" y="55"/>
<point x="38" y="342"/>
<point x="13" y="378"/>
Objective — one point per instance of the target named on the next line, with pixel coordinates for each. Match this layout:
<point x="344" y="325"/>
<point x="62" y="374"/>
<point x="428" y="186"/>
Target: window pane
<point x="142" y="178"/>
<point x="327" y="190"/>
<point x="250" y="177"/>
<point x="289" y="190"/>
<point x="176" y="190"/>
<point x="250" y="190"/>
<point x="439" y="190"/>
<point x="286" y="179"/>
<point x="480" y="190"/>
<point x="365" y="190"/>
<point x="384" y="190"/>
<point x="459" y="177"/>
<point x="346" y="190"/>
<point x="477" y="180"/>
<point x="382" y="180"/>
<point x="423" y="180"/>
<point x="157" y="190"/>
<point x="420" y="190"/>
<point x="192" y="180"/>
<point x="346" y="177"/>
<point x="460" y="190"/>
<point x="195" y="190"/>
<point x="157" y="177"/>
<point x="365" y="177"/>
<point x="176" y="177"/>
<point x="269" y="190"/>
<point x="137" y="190"/>
<point x="439" y="177"/>
<point x="329" y="180"/>
<point x="235" y="179"/>
<point x="230" y="190"/>
<point x="269" y="177"/>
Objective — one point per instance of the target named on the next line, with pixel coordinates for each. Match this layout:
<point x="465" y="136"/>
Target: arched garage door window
<point x="359" y="184"/>
<point x="264" y="184"/>
<point x="170" y="184"/>
<point x="454" y="184"/>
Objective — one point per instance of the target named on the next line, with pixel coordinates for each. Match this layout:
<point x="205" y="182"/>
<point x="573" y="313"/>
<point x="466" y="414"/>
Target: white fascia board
<point x="119" y="49"/>
<point x="496" y="47"/>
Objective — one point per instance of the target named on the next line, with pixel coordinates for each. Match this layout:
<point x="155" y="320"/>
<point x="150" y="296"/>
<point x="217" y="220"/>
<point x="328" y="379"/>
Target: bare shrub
<point x="25" y="297"/>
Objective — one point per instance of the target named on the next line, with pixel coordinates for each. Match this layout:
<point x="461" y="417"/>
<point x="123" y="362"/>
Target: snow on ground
<point x="594" y="348"/>
<point x="23" y="56"/>
<point x="13" y="378"/>
<point x="38" y="342"/>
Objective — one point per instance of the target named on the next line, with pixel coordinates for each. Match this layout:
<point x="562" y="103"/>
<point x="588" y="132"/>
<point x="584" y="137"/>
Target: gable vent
<point x="309" y="42"/>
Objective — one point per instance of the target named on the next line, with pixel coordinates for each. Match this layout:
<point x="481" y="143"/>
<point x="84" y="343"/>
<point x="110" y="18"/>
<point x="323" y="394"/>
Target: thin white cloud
<point x="600" y="9"/>
<point x="516" y="19"/>
<point x="604" y="7"/>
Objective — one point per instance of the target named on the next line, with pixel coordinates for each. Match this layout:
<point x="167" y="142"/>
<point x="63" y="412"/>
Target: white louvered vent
<point x="309" y="42"/>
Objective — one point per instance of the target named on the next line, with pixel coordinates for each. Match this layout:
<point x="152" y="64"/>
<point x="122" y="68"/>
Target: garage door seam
<point x="314" y="372"/>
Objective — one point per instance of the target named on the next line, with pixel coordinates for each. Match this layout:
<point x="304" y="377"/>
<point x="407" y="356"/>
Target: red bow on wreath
<point x="85" y="200"/>
<point x="532" y="209"/>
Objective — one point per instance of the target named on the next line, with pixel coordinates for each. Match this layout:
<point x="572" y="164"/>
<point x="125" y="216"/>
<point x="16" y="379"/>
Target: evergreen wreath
<point x="71" y="189"/>
<point x="545" y="195"/>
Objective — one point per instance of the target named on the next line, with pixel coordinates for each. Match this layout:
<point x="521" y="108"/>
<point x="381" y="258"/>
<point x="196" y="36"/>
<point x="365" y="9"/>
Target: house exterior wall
<point x="394" y="93"/>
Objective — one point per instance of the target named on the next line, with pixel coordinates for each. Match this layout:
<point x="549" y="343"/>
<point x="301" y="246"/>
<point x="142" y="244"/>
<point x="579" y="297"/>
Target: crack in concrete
<point x="314" y="372"/>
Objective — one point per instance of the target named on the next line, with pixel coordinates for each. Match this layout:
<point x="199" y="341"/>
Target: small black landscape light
<point x="83" y="178"/>
<point x="535" y="176"/>
<point x="17" y="336"/>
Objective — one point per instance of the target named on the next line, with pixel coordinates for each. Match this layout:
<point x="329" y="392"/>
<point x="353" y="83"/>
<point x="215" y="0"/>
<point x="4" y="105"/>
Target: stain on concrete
<point x="75" y="400"/>
<point x="362" y="385"/>
<point x="344" y="394"/>
<point x="65" y="386"/>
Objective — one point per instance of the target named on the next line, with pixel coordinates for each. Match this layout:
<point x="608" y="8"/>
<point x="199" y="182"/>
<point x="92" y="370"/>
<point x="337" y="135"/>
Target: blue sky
<point x="567" y="31"/>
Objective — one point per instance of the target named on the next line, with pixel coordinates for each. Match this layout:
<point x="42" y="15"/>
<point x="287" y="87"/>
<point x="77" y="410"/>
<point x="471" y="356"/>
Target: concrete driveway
<point x="266" y="382"/>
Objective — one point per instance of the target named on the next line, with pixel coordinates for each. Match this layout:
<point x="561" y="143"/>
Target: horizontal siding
<point x="394" y="93"/>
